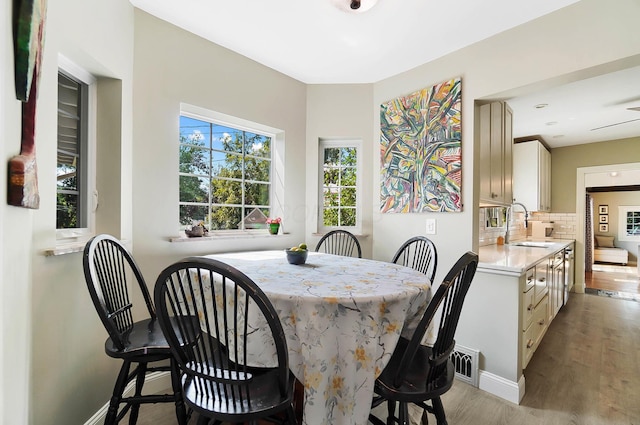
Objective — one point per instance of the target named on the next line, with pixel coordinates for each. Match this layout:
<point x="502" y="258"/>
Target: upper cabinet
<point x="496" y="166"/>
<point x="532" y="175"/>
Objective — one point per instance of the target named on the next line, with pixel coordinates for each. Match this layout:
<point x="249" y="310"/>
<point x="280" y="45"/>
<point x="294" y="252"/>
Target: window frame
<point x="623" y="210"/>
<point x="339" y="143"/>
<point x="276" y="190"/>
<point x="87" y="150"/>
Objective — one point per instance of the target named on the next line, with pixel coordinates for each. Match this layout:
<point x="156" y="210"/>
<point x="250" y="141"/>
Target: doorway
<point x="616" y="280"/>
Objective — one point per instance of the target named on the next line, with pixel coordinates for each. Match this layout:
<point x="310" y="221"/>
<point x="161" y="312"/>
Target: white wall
<point x="54" y="369"/>
<point x="15" y="264"/>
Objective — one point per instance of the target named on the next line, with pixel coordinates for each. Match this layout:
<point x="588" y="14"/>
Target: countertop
<point x="517" y="259"/>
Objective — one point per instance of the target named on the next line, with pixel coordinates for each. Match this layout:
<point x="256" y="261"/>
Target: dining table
<point x="342" y="318"/>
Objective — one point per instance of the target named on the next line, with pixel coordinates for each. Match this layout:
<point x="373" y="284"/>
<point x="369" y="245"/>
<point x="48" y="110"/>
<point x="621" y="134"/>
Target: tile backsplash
<point x="564" y="226"/>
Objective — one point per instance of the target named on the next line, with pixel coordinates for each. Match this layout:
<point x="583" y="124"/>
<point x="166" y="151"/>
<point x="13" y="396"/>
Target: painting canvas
<point x="420" y="150"/>
<point x="29" y="26"/>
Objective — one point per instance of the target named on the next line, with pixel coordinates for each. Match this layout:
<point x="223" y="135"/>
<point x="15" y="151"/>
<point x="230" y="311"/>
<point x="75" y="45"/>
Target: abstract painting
<point x="28" y="38"/>
<point x="420" y="150"/>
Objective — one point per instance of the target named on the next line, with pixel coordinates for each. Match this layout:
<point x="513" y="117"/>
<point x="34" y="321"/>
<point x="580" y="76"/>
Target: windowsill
<point x="66" y="248"/>
<point x="229" y="235"/>
<point x="358" y="235"/>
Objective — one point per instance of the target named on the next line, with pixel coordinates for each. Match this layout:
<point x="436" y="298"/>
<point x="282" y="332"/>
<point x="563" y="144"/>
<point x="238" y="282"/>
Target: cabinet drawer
<point x="530" y="280"/>
<point x="527" y="309"/>
<point x="542" y="284"/>
<point x="534" y="333"/>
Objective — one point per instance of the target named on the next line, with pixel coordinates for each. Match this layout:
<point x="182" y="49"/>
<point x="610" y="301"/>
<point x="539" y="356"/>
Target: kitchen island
<point x="516" y="292"/>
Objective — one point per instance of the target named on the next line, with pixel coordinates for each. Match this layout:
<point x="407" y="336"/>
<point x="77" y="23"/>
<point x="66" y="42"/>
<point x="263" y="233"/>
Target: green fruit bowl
<point x="296" y="257"/>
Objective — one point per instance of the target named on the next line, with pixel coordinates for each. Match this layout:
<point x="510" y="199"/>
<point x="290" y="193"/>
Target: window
<point x="226" y="172"/>
<point x="629" y="223"/>
<point x="339" y="180"/>
<point x="75" y="181"/>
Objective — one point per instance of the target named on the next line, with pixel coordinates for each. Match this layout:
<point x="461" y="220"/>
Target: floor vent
<point x="465" y="361"/>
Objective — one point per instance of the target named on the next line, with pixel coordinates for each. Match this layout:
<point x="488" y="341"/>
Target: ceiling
<point x="324" y="42"/>
<point x="592" y="110"/>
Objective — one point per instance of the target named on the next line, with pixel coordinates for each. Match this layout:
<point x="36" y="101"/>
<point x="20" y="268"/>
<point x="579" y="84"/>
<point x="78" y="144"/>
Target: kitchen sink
<point x="531" y="244"/>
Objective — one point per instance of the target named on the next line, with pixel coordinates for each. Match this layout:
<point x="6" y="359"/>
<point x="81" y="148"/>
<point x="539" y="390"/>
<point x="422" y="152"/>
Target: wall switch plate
<point x="431" y="226"/>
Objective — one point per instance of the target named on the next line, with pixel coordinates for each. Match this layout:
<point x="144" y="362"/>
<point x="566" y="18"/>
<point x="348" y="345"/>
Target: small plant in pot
<point x="274" y="225"/>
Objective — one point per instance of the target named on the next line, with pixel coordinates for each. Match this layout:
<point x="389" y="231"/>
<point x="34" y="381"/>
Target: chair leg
<point x="403" y="413"/>
<point x="291" y="416"/>
<point x="391" y="412"/>
<point x="438" y="411"/>
<point x="135" y="404"/>
<point x="118" y="389"/>
<point x="181" y="412"/>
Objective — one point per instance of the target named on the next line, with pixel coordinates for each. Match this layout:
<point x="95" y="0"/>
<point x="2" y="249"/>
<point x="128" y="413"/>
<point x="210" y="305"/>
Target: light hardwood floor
<point x="610" y="277"/>
<point x="585" y="372"/>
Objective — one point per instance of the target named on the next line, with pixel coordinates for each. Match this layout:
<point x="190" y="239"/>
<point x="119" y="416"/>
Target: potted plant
<point x="274" y="225"/>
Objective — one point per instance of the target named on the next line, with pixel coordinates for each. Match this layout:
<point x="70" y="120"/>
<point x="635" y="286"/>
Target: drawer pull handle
<point x="530" y="343"/>
<point x="530" y="307"/>
<point x="541" y="322"/>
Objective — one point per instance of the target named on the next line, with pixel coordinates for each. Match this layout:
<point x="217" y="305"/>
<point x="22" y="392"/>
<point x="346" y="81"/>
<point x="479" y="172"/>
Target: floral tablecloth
<point x="342" y="318"/>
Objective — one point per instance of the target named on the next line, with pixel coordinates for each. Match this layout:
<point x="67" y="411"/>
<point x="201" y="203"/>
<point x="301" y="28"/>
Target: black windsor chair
<point x="419" y="373"/>
<point x="107" y="267"/>
<point x="217" y="383"/>
<point x="339" y="242"/>
<point x="420" y="254"/>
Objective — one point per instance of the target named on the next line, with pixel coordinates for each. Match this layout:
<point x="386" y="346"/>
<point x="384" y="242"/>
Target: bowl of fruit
<point x="297" y="254"/>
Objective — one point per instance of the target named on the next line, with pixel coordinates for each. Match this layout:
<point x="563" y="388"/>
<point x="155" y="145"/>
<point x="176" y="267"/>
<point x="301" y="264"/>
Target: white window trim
<point x="66" y="236"/>
<point x="622" y="223"/>
<point x="341" y="143"/>
<point x="277" y="158"/>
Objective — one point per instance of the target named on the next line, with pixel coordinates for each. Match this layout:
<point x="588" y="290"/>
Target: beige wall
<point x="174" y="66"/>
<point x="339" y="111"/>
<point x="614" y="200"/>
<point x="555" y="49"/>
<point x="565" y="161"/>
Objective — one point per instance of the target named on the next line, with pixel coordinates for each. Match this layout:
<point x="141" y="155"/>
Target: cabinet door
<point x="532" y="175"/>
<point x="496" y="162"/>
<point x="545" y="179"/>
<point x="508" y="155"/>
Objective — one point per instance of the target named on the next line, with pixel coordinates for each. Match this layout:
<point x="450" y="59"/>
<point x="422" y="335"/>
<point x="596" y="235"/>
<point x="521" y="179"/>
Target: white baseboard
<point x="155" y="383"/>
<point x="501" y="387"/>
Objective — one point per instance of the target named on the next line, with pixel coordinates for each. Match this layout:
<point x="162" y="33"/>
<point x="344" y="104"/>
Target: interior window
<point x="73" y="184"/>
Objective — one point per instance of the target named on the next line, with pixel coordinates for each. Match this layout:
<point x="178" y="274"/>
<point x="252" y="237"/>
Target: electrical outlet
<point x="431" y="226"/>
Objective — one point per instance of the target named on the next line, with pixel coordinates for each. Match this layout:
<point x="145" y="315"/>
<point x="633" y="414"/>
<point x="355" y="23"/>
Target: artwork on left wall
<point x="28" y="42"/>
<point x="420" y="150"/>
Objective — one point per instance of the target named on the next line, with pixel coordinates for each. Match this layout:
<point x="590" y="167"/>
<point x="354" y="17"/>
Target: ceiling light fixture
<point x="354" y="6"/>
<point x="541" y="105"/>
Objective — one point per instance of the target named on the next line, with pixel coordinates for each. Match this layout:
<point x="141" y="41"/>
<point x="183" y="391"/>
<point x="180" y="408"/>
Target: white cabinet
<point x="532" y="175"/>
<point x="496" y="162"/>
<point x="557" y="284"/>
<point x="534" y="311"/>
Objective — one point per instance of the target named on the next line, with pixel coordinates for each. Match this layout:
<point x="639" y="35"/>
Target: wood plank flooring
<point x="585" y="372"/>
<point x="610" y="277"/>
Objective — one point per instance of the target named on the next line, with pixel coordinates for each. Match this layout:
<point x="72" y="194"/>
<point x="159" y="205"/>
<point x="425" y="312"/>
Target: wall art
<point x="420" y="150"/>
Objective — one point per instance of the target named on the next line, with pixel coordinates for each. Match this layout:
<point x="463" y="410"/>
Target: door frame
<point x="596" y="176"/>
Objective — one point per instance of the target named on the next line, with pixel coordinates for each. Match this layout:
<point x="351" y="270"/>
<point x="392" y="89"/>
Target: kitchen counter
<point x="511" y="258"/>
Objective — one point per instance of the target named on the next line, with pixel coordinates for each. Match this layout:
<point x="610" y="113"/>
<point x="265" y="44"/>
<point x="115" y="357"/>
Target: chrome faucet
<point x="509" y="214"/>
